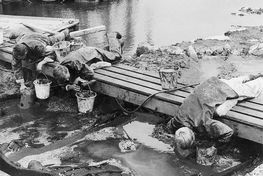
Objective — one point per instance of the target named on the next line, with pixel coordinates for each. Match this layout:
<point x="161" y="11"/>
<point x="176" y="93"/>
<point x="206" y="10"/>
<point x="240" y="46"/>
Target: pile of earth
<point x="248" y="10"/>
<point x="239" y="51"/>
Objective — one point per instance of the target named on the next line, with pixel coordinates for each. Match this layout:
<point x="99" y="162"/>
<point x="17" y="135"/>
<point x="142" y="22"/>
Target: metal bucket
<point x="42" y="88"/>
<point x="27" y="98"/>
<point x="85" y="101"/>
<point x="169" y="77"/>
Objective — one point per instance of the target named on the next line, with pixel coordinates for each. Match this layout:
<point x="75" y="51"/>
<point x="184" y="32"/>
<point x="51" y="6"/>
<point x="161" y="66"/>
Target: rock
<point x="35" y="165"/>
<point x="206" y="156"/>
<point x="172" y="50"/>
<point x="191" y="53"/>
<point x="127" y="146"/>
<point x="236" y="52"/>
<point x="227" y="50"/>
<point x="70" y="156"/>
<point x="144" y="48"/>
<point x="256" y="50"/>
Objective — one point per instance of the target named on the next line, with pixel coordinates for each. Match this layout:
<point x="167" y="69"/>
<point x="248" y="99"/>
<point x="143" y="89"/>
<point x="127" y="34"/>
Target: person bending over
<point x="29" y="51"/>
<point x="77" y="67"/>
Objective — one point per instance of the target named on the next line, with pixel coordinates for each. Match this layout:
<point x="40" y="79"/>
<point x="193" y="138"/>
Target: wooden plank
<point x="239" y="117"/>
<point x="6" y="57"/>
<point x="246" y="131"/>
<point x="139" y="89"/>
<point x="88" y="31"/>
<point x="135" y="98"/>
<point x="248" y="111"/>
<point x="156" y="81"/>
<point x="7" y="49"/>
<point x="139" y="82"/>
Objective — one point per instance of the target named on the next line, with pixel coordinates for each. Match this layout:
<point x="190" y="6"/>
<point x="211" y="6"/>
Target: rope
<point x="151" y="96"/>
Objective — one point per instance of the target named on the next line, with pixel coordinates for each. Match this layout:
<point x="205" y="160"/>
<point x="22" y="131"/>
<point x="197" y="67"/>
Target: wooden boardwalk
<point x="130" y="84"/>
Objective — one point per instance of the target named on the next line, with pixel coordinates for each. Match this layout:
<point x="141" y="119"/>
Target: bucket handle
<point x="43" y="74"/>
<point x="88" y="87"/>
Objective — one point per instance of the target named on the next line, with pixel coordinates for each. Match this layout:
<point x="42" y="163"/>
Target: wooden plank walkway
<point x="132" y="85"/>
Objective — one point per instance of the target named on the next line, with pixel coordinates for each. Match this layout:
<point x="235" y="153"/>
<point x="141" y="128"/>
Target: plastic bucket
<point x="61" y="49"/>
<point x="169" y="78"/>
<point x="42" y="88"/>
<point x="85" y="101"/>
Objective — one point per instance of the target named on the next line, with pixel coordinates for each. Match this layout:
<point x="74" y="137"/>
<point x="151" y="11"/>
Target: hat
<point x="184" y="141"/>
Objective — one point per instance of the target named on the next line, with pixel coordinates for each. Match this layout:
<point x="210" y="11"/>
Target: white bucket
<point x="85" y="101"/>
<point x="169" y="78"/>
<point x="42" y="88"/>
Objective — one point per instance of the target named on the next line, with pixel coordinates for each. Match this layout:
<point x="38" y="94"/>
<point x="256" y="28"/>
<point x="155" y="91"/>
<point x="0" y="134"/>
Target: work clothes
<point x="78" y="62"/>
<point x="197" y="110"/>
<point x="35" y="44"/>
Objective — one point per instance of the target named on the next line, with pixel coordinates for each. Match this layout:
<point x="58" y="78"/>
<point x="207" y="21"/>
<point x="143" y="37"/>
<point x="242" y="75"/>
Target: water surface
<point x="155" y="21"/>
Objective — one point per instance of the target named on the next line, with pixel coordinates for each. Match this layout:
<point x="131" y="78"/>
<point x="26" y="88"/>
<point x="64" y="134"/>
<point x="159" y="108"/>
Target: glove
<point x="72" y="87"/>
<point x="86" y="83"/>
<point x="22" y="84"/>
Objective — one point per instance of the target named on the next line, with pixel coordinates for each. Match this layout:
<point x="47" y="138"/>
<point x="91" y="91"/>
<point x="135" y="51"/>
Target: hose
<point x="151" y="96"/>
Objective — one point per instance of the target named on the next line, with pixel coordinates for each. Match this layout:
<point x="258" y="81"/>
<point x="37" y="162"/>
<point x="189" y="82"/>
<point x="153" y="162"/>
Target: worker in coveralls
<point x="31" y="49"/>
<point x="77" y="68"/>
<point x="195" y="116"/>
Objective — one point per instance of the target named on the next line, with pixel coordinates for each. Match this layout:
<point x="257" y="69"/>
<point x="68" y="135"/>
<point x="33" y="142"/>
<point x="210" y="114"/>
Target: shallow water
<point x="151" y="158"/>
<point x="155" y="21"/>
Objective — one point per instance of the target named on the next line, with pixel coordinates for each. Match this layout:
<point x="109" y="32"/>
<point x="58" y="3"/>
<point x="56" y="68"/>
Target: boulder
<point x="144" y="48"/>
<point x="172" y="50"/>
<point x="256" y="50"/>
<point x="192" y="53"/>
<point x="35" y="165"/>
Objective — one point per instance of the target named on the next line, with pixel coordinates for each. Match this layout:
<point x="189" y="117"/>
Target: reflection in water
<point x="155" y="21"/>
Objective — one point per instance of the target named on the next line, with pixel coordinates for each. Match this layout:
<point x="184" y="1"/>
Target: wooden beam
<point x="88" y="31"/>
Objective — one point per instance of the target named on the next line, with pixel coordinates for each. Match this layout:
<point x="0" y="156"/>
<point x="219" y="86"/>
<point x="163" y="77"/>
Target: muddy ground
<point x="30" y="134"/>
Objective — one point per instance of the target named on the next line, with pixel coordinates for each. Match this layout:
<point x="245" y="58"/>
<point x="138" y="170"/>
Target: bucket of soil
<point x="85" y="101"/>
<point x="61" y="49"/>
<point x="42" y="88"/>
<point x="169" y="77"/>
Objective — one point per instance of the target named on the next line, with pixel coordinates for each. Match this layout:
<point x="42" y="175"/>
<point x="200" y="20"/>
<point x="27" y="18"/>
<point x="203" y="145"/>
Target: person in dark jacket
<point x="78" y="67"/>
<point x="29" y="51"/>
